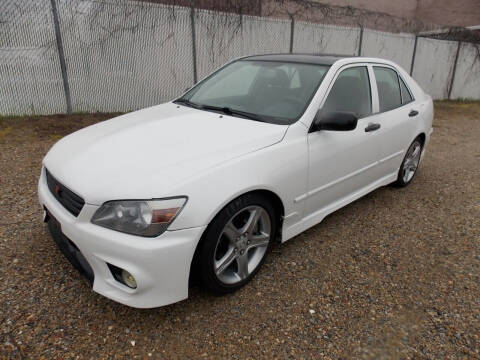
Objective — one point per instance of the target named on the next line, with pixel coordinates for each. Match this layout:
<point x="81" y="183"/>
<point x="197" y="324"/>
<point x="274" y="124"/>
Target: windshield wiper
<point x="229" y="111"/>
<point x="187" y="102"/>
<point x="225" y="110"/>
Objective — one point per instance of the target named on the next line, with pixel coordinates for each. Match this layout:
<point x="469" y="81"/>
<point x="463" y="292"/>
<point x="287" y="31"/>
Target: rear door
<point x="397" y="114"/>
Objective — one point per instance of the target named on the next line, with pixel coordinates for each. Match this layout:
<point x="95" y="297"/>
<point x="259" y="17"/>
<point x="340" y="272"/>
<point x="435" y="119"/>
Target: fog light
<point x="128" y="279"/>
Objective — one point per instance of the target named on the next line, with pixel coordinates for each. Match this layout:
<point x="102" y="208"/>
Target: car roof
<point x="317" y="59"/>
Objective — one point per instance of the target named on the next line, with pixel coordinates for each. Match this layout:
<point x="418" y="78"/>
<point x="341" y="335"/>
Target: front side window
<point x="350" y="93"/>
<point x="389" y="96"/>
<point x="272" y="91"/>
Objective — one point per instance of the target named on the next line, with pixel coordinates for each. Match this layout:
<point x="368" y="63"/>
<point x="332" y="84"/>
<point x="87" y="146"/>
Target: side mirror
<point x="335" y="121"/>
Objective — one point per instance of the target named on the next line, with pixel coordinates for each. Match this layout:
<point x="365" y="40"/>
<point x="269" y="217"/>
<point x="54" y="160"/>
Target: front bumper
<point x="161" y="266"/>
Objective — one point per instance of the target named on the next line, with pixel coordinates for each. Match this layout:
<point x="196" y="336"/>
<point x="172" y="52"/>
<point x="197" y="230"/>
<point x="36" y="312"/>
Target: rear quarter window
<point x="406" y="96"/>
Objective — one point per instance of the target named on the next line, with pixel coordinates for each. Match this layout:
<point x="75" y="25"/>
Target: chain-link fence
<point x="115" y="55"/>
<point x="30" y="74"/>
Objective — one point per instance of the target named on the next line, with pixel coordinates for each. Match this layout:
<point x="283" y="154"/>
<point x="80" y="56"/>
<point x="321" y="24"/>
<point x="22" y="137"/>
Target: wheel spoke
<point x="407" y="174"/>
<point x="222" y="264"/>
<point x="251" y="222"/>
<point x="415" y="152"/>
<point x="231" y="232"/>
<point x="258" y="240"/>
<point x="409" y="163"/>
<point x="242" y="263"/>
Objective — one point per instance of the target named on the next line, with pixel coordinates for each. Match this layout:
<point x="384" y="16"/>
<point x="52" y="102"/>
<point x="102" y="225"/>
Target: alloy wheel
<point x="242" y="244"/>
<point x="411" y="162"/>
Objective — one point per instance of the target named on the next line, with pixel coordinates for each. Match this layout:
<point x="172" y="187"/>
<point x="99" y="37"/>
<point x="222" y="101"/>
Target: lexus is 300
<point x="200" y="187"/>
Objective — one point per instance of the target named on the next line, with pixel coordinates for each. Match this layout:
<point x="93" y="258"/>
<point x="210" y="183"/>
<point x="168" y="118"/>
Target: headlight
<point x="148" y="218"/>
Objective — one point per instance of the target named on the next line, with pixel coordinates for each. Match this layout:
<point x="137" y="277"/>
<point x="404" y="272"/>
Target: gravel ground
<point x="393" y="275"/>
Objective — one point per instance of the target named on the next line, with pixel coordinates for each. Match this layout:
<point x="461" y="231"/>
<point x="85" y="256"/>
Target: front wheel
<point x="236" y="243"/>
<point x="410" y="162"/>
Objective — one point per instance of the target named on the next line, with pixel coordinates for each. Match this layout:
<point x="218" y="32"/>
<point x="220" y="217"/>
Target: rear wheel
<point x="410" y="163"/>
<point x="236" y="243"/>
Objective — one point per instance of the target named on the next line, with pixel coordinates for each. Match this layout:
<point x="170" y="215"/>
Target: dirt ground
<point x="395" y="275"/>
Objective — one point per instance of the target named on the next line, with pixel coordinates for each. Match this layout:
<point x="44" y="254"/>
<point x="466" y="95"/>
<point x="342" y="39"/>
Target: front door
<point x="343" y="163"/>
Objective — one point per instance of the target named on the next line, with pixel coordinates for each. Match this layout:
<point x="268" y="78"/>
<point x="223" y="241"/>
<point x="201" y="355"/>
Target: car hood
<point x="143" y="154"/>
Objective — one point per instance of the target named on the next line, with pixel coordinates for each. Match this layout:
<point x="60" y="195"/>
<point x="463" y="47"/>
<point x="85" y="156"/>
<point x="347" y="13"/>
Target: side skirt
<point x="318" y="216"/>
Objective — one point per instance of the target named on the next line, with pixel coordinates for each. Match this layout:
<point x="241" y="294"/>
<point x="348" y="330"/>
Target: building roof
<point x="320" y="59"/>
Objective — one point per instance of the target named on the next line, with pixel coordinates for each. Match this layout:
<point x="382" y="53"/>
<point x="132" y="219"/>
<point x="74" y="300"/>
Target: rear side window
<point x="350" y="92"/>
<point x="389" y="95"/>
<point x="406" y="96"/>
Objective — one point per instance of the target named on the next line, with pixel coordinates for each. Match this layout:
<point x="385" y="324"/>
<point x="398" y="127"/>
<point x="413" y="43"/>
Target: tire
<point x="410" y="163"/>
<point x="235" y="244"/>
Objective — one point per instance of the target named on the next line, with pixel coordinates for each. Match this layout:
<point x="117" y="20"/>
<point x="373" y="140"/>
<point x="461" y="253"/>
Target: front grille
<point x="70" y="201"/>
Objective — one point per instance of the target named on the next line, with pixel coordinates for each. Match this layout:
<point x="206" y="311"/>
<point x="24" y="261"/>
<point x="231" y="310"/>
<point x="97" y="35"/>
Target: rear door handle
<point x="372" y="127"/>
<point x="413" y="113"/>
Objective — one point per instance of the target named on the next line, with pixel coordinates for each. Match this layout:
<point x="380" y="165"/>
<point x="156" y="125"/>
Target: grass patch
<point x="5" y="132"/>
<point x="59" y="116"/>
<point x="457" y="102"/>
<point x="55" y="137"/>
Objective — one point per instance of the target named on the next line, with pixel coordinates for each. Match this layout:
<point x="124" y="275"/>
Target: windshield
<point x="275" y="92"/>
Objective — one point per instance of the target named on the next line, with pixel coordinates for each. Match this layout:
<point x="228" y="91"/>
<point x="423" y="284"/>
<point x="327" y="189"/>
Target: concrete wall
<point x="326" y="39"/>
<point x="466" y="83"/>
<point x="440" y="12"/>
<point x="433" y="68"/>
<point x="394" y="47"/>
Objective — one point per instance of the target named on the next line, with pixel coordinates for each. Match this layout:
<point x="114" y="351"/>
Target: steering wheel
<point x="292" y="100"/>
<point x="286" y="106"/>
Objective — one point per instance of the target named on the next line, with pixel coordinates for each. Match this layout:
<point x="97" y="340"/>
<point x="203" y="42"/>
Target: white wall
<point x="394" y="47"/>
<point x="326" y="39"/>
<point x="434" y="65"/>
<point x="467" y="84"/>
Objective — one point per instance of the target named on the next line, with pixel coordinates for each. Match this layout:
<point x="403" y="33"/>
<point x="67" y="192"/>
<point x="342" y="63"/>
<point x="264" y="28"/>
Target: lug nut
<point x="241" y="252"/>
<point x="235" y="250"/>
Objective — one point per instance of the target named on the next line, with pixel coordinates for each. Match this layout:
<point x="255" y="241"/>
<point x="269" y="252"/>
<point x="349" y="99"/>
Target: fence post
<point x="61" y="55"/>
<point x="194" y="41"/>
<point x="454" y="70"/>
<point x="414" y="54"/>
<point x="360" y="42"/>
<point x="292" y="31"/>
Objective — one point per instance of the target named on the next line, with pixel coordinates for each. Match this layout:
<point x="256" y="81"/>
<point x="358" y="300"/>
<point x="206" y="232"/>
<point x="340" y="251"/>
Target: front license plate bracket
<point x="68" y="248"/>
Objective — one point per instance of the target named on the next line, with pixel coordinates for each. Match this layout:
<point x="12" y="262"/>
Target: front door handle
<point x="372" y="127"/>
<point x="413" y="113"/>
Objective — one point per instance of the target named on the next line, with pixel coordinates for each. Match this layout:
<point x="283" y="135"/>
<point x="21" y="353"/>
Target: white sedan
<point x="200" y="187"/>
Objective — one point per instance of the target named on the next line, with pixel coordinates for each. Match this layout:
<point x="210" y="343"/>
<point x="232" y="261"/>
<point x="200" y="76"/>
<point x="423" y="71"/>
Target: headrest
<point x="275" y="77"/>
